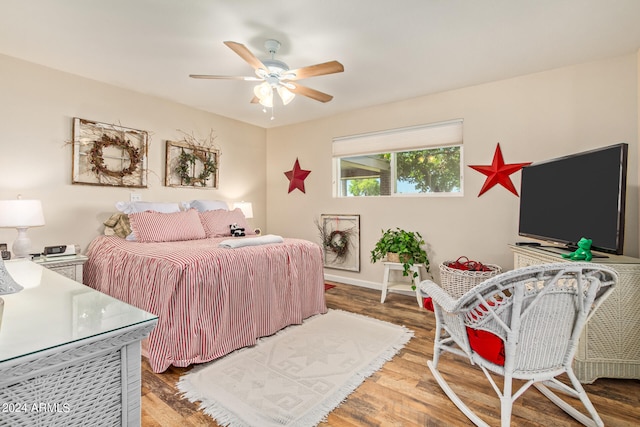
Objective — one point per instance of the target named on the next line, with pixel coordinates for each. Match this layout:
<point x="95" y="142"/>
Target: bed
<point x="210" y="300"/>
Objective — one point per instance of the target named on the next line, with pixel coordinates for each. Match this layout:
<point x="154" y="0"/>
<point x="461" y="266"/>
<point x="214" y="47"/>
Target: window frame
<point x="435" y="135"/>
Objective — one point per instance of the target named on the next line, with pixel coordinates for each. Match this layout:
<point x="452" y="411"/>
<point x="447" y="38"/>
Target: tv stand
<point x="608" y="346"/>
<point x="567" y="250"/>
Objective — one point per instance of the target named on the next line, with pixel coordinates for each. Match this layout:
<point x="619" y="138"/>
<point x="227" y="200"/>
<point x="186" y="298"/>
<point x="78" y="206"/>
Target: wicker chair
<point x="523" y="324"/>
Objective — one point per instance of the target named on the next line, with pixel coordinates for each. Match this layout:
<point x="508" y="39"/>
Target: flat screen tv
<point x="580" y="195"/>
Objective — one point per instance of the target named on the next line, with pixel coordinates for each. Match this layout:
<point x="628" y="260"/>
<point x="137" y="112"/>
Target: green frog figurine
<point x="583" y="252"/>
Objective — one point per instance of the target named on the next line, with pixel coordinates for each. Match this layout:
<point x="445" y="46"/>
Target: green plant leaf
<point x="401" y="242"/>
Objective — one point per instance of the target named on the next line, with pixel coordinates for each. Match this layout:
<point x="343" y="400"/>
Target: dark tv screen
<point x="581" y="195"/>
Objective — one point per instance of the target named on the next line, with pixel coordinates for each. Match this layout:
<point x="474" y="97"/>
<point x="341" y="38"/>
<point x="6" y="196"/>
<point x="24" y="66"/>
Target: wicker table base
<point x="96" y="382"/>
<point x="69" y="355"/>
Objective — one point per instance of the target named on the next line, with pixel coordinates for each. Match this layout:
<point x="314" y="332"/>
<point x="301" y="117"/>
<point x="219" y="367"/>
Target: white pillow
<point x="206" y="205"/>
<point x="135" y="207"/>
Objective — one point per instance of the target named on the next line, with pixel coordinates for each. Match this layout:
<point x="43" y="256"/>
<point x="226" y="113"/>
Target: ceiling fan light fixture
<point x="276" y="76"/>
<point x="285" y="94"/>
<point x="264" y="92"/>
<point x="267" y="102"/>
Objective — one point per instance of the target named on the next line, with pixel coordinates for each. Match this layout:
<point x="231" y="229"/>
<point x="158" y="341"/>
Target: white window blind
<point x="401" y="139"/>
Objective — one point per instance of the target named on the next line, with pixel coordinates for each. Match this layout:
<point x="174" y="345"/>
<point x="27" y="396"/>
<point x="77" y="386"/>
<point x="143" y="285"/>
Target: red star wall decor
<point x="498" y="173"/>
<point x="296" y="177"/>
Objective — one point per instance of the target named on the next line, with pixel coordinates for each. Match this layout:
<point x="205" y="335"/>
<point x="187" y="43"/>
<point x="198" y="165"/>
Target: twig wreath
<point x="192" y="162"/>
<point x="108" y="154"/>
<point x="187" y="165"/>
<point x="336" y="241"/>
<point x="97" y="160"/>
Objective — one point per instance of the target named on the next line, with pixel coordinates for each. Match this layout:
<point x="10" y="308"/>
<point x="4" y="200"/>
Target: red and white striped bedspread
<point x="209" y="300"/>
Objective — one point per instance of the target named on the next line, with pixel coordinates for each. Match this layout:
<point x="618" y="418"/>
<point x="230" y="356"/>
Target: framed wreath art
<point x="107" y="154"/>
<point x="192" y="164"/>
<point x="340" y="236"/>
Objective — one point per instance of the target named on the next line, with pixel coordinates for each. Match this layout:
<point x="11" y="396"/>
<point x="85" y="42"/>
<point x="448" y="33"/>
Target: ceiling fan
<point x="276" y="76"/>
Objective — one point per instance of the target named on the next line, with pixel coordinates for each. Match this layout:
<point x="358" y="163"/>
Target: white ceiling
<point x="391" y="50"/>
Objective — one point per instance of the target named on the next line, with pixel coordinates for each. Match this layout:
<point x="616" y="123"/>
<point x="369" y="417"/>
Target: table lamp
<point x="245" y="207"/>
<point x="247" y="210"/>
<point x="21" y="214"/>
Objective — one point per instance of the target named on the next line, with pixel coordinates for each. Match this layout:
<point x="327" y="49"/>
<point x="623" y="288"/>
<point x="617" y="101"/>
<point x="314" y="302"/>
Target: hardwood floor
<point x="404" y="393"/>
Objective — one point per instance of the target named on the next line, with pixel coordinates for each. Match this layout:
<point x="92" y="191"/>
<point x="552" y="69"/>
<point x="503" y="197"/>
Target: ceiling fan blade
<point x="255" y="100"/>
<point x="310" y="93"/>
<point x="330" y="67"/>
<point x="246" y="54"/>
<point x="209" y="76"/>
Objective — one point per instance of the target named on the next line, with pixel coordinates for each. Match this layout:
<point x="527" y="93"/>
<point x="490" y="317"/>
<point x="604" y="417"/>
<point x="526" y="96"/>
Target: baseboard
<point x="361" y="283"/>
<point x="350" y="281"/>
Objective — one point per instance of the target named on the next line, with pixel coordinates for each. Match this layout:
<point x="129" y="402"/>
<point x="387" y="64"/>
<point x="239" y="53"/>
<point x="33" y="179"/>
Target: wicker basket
<point x="457" y="282"/>
<point x="395" y="257"/>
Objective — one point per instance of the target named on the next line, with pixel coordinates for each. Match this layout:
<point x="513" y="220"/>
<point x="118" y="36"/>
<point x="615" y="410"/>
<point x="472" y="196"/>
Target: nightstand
<point x="68" y="266"/>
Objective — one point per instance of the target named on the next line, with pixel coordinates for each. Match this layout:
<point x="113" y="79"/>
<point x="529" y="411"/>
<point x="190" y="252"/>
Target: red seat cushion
<point x="427" y="303"/>
<point x="488" y="345"/>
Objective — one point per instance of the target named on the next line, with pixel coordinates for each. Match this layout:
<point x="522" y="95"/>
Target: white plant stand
<point x="389" y="285"/>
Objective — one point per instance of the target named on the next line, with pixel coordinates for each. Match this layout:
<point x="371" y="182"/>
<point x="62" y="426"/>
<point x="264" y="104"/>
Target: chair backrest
<point x="538" y="311"/>
<point x="457" y="282"/>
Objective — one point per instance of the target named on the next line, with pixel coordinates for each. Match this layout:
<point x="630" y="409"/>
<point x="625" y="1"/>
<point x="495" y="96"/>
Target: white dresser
<point x="609" y="346"/>
<point x="69" y="355"/>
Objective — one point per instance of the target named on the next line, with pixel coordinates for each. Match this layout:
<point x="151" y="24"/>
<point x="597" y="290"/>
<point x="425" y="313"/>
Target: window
<point x="423" y="160"/>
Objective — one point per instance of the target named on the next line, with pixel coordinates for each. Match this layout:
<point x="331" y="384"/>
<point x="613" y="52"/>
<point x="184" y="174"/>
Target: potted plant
<point x="401" y="246"/>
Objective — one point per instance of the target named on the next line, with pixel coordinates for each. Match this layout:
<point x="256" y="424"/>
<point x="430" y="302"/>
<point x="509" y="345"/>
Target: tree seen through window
<point x="426" y="171"/>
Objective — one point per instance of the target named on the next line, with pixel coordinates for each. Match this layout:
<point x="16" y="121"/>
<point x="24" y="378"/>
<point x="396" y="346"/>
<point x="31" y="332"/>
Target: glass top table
<point x="53" y="311"/>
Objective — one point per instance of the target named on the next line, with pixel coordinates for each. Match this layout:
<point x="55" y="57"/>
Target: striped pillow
<point x="217" y="222"/>
<point x="151" y="226"/>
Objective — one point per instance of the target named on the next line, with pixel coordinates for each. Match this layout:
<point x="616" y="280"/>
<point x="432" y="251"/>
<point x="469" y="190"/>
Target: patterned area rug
<point x="299" y="375"/>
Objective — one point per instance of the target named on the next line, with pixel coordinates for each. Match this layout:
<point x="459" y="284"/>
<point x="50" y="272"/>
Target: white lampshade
<point x="264" y="92"/>
<point x="285" y="94"/>
<point x="245" y="207"/>
<point x="21" y="214"/>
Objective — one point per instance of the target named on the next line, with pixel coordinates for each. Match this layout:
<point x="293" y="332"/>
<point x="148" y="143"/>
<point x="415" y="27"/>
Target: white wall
<point x="533" y="117"/>
<point x="36" y="116"/>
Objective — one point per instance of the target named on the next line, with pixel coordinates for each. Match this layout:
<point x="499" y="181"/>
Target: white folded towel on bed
<point x="250" y="241"/>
